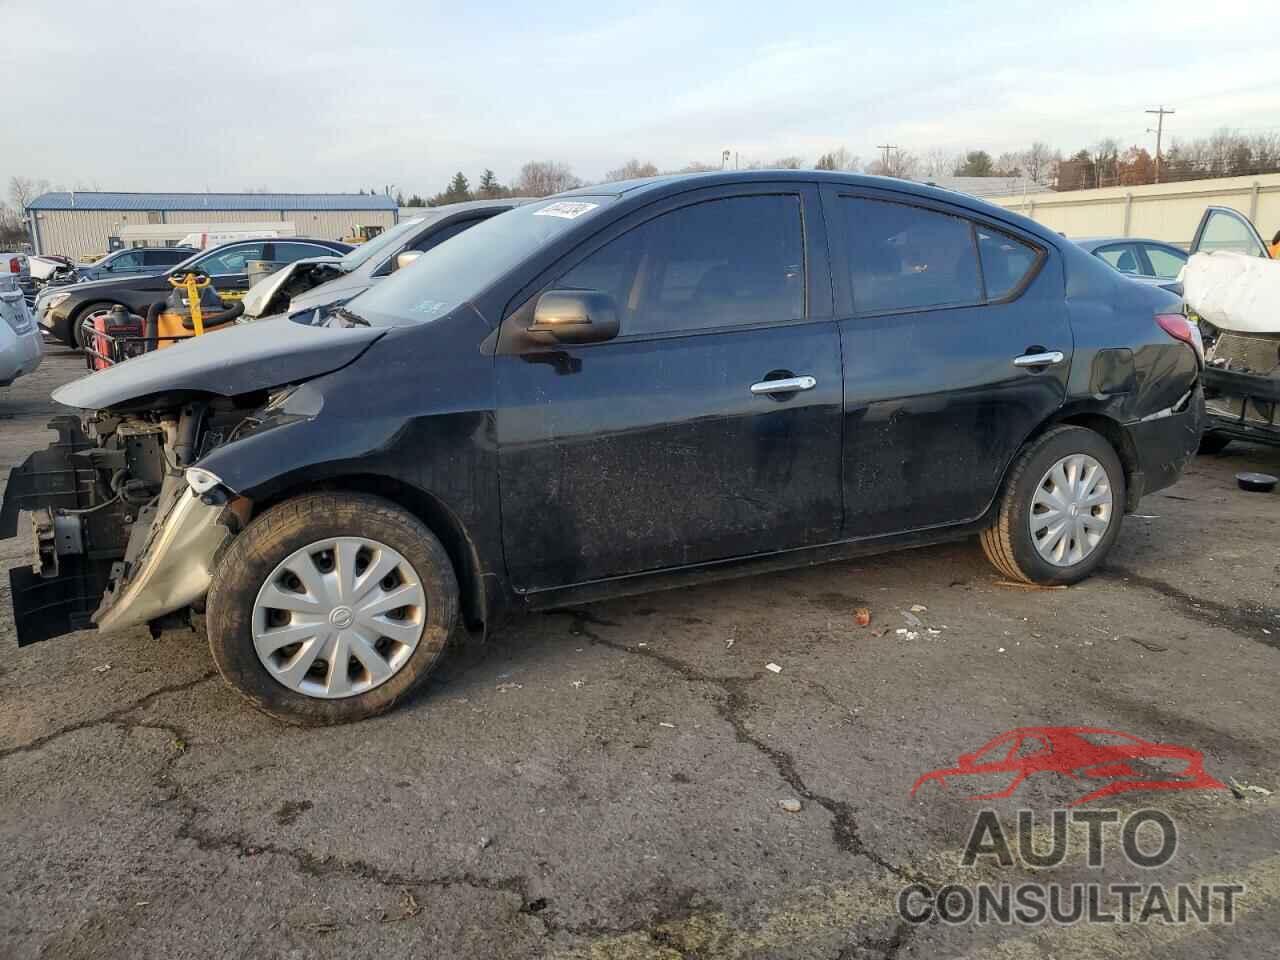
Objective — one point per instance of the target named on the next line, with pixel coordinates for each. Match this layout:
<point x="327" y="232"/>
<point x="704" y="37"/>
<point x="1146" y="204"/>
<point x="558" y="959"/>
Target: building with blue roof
<point x="84" y="224"/>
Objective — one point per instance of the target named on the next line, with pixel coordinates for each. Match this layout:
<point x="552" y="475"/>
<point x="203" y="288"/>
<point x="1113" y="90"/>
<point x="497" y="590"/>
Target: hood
<point x="252" y="356"/>
<point x="338" y="290"/>
<point x="271" y="294"/>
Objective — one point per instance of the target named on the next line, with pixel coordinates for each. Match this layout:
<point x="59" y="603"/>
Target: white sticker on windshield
<point x="566" y="209"/>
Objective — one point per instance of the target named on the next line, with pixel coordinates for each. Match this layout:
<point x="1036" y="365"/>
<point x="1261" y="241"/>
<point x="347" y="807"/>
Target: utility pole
<point x="886" y="147"/>
<point x="1160" y="114"/>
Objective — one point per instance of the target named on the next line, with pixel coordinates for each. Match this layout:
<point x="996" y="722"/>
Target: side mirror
<point x="406" y="257"/>
<point x="575" y="316"/>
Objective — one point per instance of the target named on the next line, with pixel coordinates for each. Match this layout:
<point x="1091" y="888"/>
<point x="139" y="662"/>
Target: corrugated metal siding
<point x="326" y="202"/>
<point x="83" y="233"/>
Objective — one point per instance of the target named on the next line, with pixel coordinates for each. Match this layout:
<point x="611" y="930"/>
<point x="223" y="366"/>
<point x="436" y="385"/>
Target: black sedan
<point x="62" y="310"/>
<point x="620" y="389"/>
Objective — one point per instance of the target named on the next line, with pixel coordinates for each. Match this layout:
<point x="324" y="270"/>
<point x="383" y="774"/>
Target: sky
<point x="334" y="97"/>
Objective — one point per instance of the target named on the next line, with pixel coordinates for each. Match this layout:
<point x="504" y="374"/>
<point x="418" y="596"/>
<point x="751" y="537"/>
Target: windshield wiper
<point x="352" y="318"/>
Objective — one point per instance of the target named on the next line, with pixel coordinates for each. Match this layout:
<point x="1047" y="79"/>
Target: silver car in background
<point x="21" y="346"/>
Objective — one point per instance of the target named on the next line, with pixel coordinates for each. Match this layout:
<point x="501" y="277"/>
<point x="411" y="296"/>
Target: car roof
<point x="677" y="182"/>
<point x="1092" y="243"/>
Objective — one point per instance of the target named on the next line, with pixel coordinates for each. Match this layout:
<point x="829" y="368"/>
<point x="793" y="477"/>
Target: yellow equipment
<point x="363" y="233"/>
<point x="193" y="309"/>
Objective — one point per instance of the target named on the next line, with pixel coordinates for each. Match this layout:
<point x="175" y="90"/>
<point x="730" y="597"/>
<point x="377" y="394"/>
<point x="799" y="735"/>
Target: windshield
<point x="454" y="272"/>
<point x="385" y="241"/>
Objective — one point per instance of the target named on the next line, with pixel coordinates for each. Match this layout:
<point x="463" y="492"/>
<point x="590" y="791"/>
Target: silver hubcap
<point x="1071" y="510"/>
<point x="339" y="617"/>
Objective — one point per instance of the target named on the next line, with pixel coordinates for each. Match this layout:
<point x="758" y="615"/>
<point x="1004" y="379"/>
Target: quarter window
<point x="908" y="258"/>
<point x="720" y="263"/>
<point x="1005" y="262"/>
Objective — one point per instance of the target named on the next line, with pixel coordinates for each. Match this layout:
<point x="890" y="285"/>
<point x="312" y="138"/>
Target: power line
<point x="886" y="147"/>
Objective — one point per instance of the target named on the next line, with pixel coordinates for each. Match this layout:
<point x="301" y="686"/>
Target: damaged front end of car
<point x="126" y="532"/>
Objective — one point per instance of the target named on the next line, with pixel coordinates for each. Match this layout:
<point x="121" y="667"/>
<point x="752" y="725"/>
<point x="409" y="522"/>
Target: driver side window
<point x="719" y="263"/>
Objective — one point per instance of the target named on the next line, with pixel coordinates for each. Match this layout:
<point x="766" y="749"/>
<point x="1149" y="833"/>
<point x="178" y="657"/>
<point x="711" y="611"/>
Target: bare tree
<point x="1037" y="161"/>
<point x="898" y="163"/>
<point x="697" y="166"/>
<point x="541" y="178"/>
<point x="12" y="230"/>
<point x="787" y="163"/>
<point x="1008" y="165"/>
<point x="23" y="190"/>
<point x="940" y="162"/>
<point x="633" y="169"/>
<point x="838" y="159"/>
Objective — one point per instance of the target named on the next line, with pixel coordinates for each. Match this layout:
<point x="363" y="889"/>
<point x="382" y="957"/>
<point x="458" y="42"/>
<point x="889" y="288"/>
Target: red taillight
<point x="15" y="265"/>
<point x="1180" y="328"/>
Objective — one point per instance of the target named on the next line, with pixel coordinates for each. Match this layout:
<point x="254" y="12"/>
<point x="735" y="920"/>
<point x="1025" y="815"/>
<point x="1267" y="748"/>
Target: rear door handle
<point x="1046" y="359"/>
<point x="789" y="385"/>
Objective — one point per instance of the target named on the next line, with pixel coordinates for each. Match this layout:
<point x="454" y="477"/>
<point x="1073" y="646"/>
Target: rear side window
<point x="288" y="252"/>
<point x="1165" y="262"/>
<point x="908" y="258"/>
<point x="438" y="237"/>
<point x="1122" y="256"/>
<point x="163" y="258"/>
<point x="1006" y="262"/>
<point x="721" y="263"/>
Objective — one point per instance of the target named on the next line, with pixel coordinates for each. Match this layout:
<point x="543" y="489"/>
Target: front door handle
<point x="788" y="385"/>
<point x="1046" y="359"/>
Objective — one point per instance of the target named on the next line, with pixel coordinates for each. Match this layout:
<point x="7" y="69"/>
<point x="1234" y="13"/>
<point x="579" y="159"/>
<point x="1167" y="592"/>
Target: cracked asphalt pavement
<point x="609" y="782"/>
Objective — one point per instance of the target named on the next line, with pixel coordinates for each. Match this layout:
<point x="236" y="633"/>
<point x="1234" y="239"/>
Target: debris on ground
<point x="577" y="684"/>
<point x="102" y="669"/>
<point x="408" y="908"/>
<point x="728" y="644"/>
<point x="484" y="843"/>
<point x="1149" y="645"/>
<point x="790" y="805"/>
<point x="919" y="608"/>
<point x="1242" y="789"/>
<point x="504" y="687"/>
<point x="1000" y="650"/>
<point x="906" y="634"/>
<point x="773" y="667"/>
<point x="669" y="726"/>
<point x="912" y="619"/>
<point x="862" y="616"/>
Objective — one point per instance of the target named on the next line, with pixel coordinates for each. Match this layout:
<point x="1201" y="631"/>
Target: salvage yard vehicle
<point x="21" y="346"/>
<point x="1147" y="261"/>
<point x="320" y="281"/>
<point x="63" y="311"/>
<point x="134" y="261"/>
<point x="1233" y="288"/>
<point x="618" y="389"/>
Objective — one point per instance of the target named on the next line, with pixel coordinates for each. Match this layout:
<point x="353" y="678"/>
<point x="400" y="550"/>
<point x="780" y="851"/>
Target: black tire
<point x="75" y="336"/>
<point x="1008" y="542"/>
<point x="287" y="527"/>
<point x="1212" y="443"/>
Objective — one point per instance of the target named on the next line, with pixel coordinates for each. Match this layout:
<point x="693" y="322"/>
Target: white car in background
<point x="21" y="346"/>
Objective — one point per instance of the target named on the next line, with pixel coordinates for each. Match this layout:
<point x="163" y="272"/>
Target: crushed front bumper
<point x="97" y="564"/>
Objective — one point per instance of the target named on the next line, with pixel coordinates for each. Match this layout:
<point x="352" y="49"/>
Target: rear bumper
<point x="1165" y="442"/>
<point x="20" y="354"/>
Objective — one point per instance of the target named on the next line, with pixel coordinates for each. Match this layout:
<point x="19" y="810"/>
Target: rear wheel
<point x="1060" y="509"/>
<point x="331" y="607"/>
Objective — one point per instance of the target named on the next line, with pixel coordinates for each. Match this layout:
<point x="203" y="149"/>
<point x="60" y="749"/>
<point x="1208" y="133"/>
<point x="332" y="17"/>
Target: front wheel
<point x="331" y="607"/>
<point x="1060" y="509"/>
